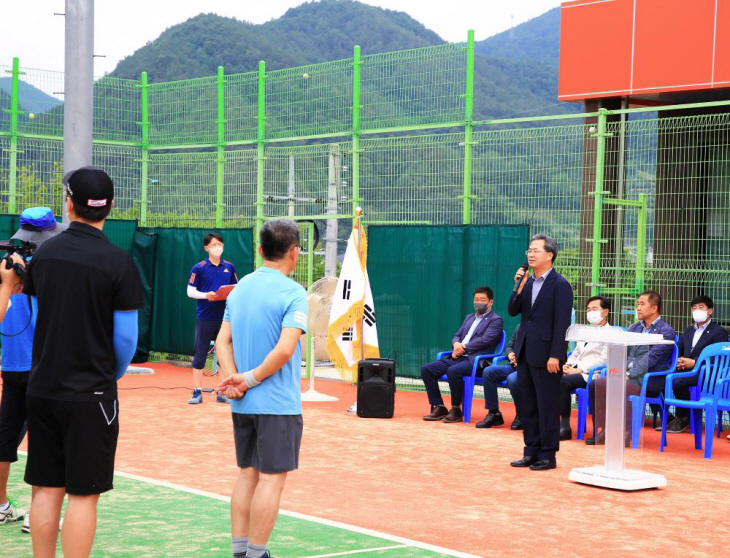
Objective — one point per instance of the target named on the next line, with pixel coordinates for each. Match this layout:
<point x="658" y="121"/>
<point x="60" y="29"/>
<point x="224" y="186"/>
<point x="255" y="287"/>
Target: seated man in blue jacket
<point x="640" y="359"/>
<point x="701" y="334"/>
<point x="480" y="334"/>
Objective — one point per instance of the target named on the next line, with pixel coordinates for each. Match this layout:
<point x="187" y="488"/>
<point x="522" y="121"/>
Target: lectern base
<point x="627" y="480"/>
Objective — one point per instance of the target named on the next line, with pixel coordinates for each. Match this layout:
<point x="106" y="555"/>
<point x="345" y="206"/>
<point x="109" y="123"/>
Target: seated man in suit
<point x="493" y="376"/>
<point x="480" y="334"/>
<point x="640" y="359"/>
<point x="695" y="338"/>
<point x="585" y="357"/>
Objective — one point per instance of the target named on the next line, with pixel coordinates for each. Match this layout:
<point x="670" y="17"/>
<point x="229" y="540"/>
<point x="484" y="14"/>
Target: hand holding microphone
<point x="521" y="278"/>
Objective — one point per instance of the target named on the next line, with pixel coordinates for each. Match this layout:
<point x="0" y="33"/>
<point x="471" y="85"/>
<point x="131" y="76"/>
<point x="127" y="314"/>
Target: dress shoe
<point x="525" y="461"/>
<point x="492" y="419"/>
<point x="566" y="434"/>
<point x="599" y="440"/>
<point x="516" y="424"/>
<point x="438" y="413"/>
<point x="544" y="465"/>
<point x="455" y="415"/>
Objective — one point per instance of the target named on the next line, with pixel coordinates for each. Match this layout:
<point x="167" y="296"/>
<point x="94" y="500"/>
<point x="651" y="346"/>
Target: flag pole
<point x="358" y="212"/>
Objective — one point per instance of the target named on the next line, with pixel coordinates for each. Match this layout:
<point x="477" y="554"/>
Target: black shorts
<point x="71" y="444"/>
<point x="12" y="414"/>
<point x="268" y="443"/>
<point x="205" y="332"/>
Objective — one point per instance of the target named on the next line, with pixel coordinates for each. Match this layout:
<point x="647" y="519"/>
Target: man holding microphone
<point x="545" y="302"/>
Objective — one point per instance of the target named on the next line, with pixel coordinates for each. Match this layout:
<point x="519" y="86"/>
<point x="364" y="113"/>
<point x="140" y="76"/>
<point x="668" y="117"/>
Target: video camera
<point x="24" y="250"/>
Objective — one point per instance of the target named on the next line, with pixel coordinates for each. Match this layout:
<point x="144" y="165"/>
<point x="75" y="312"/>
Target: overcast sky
<point x="29" y="30"/>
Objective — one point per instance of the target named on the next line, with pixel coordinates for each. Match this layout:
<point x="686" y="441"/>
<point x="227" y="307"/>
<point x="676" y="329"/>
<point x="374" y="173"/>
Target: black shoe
<point x="678" y="425"/>
<point x="438" y="413"/>
<point x="455" y="415"/>
<point x="492" y="419"/>
<point x="566" y="434"/>
<point x="670" y="419"/>
<point x="599" y="440"/>
<point x="525" y="461"/>
<point x="516" y="424"/>
<point x="544" y="465"/>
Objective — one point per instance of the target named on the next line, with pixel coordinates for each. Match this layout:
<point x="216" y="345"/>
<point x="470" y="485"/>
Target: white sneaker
<point x="11" y="514"/>
<point x="26" y="524"/>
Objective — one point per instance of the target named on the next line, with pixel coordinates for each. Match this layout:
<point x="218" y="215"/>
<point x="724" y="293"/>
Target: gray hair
<point x="551" y="245"/>
<point x="277" y="237"/>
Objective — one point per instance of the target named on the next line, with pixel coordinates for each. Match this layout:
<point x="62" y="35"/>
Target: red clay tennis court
<point x="446" y="485"/>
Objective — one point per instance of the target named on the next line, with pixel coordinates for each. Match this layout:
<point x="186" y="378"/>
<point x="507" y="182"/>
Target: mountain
<point x="310" y="33"/>
<point x="515" y="71"/>
<point x="536" y="40"/>
<point x="32" y="99"/>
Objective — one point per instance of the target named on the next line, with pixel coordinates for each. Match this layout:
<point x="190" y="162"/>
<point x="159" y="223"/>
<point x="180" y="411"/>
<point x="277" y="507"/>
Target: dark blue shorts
<point x="205" y="332"/>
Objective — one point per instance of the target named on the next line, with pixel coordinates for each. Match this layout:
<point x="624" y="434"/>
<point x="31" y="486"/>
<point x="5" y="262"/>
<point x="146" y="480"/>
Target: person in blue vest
<point x="206" y="278"/>
<point x="37" y="224"/>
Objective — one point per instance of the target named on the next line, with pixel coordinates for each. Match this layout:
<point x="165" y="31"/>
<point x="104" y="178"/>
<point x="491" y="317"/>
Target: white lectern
<point x="613" y="474"/>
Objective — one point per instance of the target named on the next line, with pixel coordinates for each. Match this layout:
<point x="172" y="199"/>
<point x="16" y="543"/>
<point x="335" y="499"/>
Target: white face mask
<point x="699" y="316"/>
<point x="594" y="317"/>
<point x="216" y="251"/>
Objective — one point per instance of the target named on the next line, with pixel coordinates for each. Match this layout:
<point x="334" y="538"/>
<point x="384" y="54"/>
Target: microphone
<point x="525" y="266"/>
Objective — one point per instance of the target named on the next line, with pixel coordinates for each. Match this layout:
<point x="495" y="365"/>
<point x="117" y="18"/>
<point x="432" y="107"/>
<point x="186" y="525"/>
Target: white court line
<point x="352" y="528"/>
<point x="350" y="552"/>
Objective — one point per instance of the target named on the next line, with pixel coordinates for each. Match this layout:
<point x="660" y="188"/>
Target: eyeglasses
<point x="528" y="252"/>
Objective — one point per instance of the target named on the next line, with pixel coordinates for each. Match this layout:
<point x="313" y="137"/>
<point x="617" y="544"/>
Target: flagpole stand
<point x="312" y="395"/>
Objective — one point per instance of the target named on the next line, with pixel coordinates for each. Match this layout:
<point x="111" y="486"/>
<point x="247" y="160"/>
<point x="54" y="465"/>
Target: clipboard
<point x="223" y="292"/>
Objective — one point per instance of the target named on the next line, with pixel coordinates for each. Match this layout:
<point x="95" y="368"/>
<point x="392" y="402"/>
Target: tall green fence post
<point x="261" y="136"/>
<point x="356" y="200"/>
<point x="597" y="240"/>
<point x="220" y="169"/>
<point x="468" y="128"/>
<point x="145" y="125"/>
<point x="14" y="114"/>
<point x="641" y="245"/>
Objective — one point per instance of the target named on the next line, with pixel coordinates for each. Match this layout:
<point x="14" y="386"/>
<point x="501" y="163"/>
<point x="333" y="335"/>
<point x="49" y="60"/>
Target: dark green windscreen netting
<point x="423" y="279"/>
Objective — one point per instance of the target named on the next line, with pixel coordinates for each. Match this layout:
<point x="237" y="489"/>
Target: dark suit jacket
<point x="649" y="358"/>
<point x="542" y="330"/>
<point x="714" y="333"/>
<point x="485" y="338"/>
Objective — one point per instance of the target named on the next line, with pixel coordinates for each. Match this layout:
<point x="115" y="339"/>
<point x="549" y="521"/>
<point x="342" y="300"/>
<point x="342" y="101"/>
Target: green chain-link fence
<point x="636" y="198"/>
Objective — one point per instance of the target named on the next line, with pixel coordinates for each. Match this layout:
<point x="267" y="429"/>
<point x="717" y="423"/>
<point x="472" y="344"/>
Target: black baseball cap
<point x="89" y="186"/>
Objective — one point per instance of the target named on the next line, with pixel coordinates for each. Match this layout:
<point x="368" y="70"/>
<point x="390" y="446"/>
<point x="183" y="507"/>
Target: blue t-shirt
<point x="263" y="303"/>
<point x="17" y="355"/>
<point x="207" y="277"/>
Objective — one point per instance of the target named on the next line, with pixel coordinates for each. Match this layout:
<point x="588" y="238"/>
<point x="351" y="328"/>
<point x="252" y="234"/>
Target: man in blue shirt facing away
<point x="259" y="353"/>
<point x="206" y="278"/>
<point x="37" y="224"/>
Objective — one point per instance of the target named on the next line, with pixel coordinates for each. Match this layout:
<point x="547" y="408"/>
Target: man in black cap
<point x="88" y="292"/>
<point x="37" y="224"/>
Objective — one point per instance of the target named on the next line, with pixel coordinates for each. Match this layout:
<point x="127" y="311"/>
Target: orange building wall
<point x="616" y="48"/>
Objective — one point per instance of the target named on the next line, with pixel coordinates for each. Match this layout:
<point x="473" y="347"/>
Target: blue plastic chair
<point x="639" y="402"/>
<point x="472" y="380"/>
<point x="713" y="367"/>
<point x="584" y="403"/>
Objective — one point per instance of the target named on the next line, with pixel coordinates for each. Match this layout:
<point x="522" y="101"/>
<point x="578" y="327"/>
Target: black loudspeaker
<point x="375" y="388"/>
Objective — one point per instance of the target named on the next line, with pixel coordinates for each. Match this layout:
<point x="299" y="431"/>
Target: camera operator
<point x="88" y="293"/>
<point x="10" y="285"/>
<point x="37" y="225"/>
